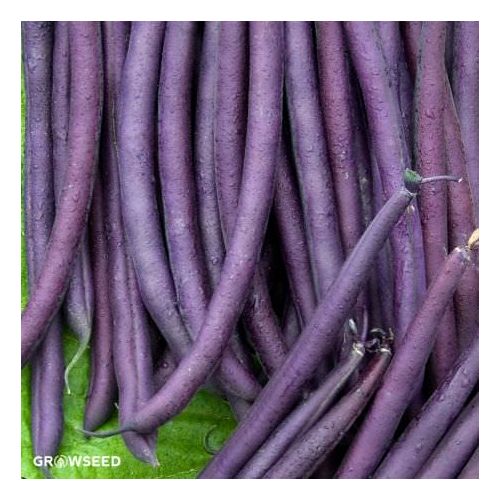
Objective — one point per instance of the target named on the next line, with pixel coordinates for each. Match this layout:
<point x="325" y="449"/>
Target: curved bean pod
<point x="303" y="417"/>
<point x="131" y="349"/>
<point x="311" y="156"/>
<point x="258" y="314"/>
<point x="401" y="380"/>
<point x="309" y="450"/>
<point x="283" y="389"/>
<point x="266" y="84"/>
<point x="47" y="366"/>
<point x="78" y="305"/>
<point x="70" y="219"/>
<point x="101" y="394"/>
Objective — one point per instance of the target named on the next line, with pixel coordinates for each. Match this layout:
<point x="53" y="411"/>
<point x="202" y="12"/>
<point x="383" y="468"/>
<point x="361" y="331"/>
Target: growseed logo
<point x="63" y="461"/>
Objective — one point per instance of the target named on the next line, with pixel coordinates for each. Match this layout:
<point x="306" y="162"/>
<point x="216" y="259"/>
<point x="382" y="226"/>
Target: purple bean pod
<point x="259" y="318"/>
<point x="461" y="224"/>
<point x="230" y="118"/>
<point x="177" y="174"/>
<point x="136" y="164"/>
<point x="386" y="136"/>
<point x="264" y="125"/>
<point x="311" y="156"/>
<point x="336" y="103"/>
<point x="460" y="210"/>
<point x="416" y="444"/>
<point x="284" y="388"/>
<point x="131" y="339"/>
<point x="465" y="82"/>
<point x="70" y="220"/>
<point x="402" y="88"/>
<point x="47" y="366"/>
<point x="431" y="160"/>
<point x="290" y="222"/>
<point x="101" y="395"/>
<point x="179" y="197"/>
<point x="204" y="168"/>
<point x="304" y="455"/>
<point x="204" y="159"/>
<point x="303" y="417"/>
<point x="78" y="305"/>
<point x="456" y="447"/>
<point x="402" y="378"/>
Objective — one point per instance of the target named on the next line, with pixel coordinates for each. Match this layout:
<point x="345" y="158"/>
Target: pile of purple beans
<point x="284" y="213"/>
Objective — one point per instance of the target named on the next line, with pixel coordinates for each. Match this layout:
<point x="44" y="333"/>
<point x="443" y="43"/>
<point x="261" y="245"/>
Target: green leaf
<point x="181" y="450"/>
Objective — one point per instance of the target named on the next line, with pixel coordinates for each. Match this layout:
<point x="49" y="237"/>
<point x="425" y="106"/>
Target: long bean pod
<point x="283" y="389"/>
<point x="421" y="436"/>
<point x="456" y="447"/>
<point x="47" y="365"/>
<point x="70" y="219"/>
<point x="306" y="453"/>
<point x="78" y="303"/>
<point x="263" y="136"/>
<point x="402" y="378"/>
<point x="303" y="417"/>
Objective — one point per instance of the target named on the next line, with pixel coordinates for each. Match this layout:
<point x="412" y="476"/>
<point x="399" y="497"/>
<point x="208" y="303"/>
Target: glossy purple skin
<point x="384" y="270"/>
<point x="258" y="315"/>
<point x="456" y="447"/>
<point x="460" y="207"/>
<point x="471" y="468"/>
<point x="290" y="223"/>
<point x="179" y="197"/>
<point x="377" y="289"/>
<point x="402" y="378"/>
<point x="402" y="87"/>
<point x="307" y="452"/>
<point x="136" y="144"/>
<point x="101" y="394"/>
<point x="465" y="82"/>
<point x="388" y="145"/>
<point x="79" y="299"/>
<point x="204" y="156"/>
<point x="284" y="388"/>
<point x="47" y="366"/>
<point x="336" y="104"/>
<point x="406" y="91"/>
<point x="177" y="174"/>
<point x="430" y="157"/>
<point x="70" y="220"/>
<point x="230" y="129"/>
<point x="311" y="156"/>
<point x="60" y="101"/>
<point x="264" y="124"/>
<point x="205" y="165"/>
<point x="461" y="224"/>
<point x="131" y="349"/>
<point x="414" y="447"/>
<point x="302" y="418"/>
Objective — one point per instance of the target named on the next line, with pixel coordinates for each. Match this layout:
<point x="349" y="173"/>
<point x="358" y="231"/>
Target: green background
<point x="181" y="449"/>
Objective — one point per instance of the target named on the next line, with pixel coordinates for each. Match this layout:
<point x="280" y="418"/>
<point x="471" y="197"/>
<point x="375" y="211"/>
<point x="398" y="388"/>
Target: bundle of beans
<point x="292" y="206"/>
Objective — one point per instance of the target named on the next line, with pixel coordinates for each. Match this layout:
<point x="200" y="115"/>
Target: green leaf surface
<point x="181" y="442"/>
